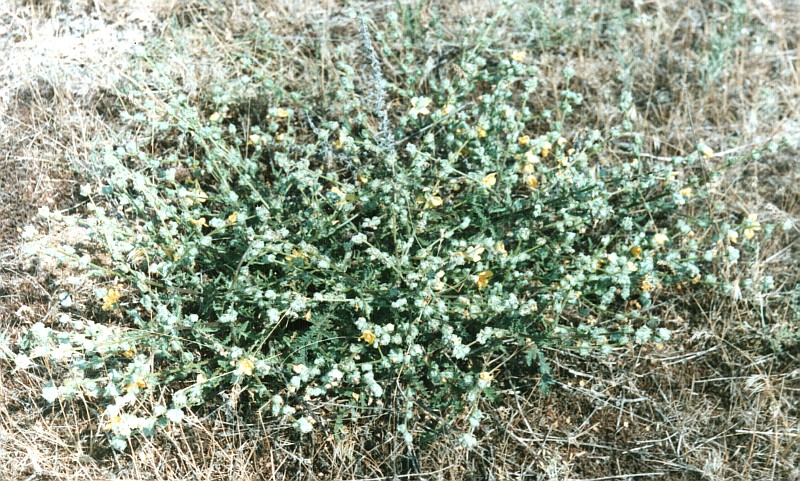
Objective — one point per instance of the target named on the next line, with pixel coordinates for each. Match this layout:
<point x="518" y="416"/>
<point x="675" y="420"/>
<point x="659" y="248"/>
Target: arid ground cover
<point x="707" y="388"/>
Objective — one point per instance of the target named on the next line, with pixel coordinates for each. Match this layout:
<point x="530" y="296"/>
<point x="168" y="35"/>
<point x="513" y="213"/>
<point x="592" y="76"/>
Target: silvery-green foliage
<point x="330" y="259"/>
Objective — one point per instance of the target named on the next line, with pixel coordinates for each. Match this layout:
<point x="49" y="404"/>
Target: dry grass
<point x="719" y="402"/>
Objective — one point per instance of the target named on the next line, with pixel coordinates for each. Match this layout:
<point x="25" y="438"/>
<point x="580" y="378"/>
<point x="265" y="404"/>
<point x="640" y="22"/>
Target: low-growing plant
<point x="415" y="240"/>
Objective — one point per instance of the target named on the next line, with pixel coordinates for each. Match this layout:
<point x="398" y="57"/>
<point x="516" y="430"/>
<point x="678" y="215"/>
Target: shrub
<point x="414" y="242"/>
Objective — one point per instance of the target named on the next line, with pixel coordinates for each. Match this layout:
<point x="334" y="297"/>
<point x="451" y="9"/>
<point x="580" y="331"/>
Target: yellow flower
<point x="632" y="267"/>
<point x="340" y="141"/>
<point x="562" y="141"/>
<point x="434" y="201"/>
<point x="706" y="150"/>
<point x="532" y="158"/>
<point x="281" y="113"/>
<point x="368" y="337"/>
<point x="439" y="285"/>
<point x="336" y="190"/>
<point x="518" y="55"/>
<point x="481" y="132"/>
<point x="419" y="105"/>
<point x="482" y="279"/>
<point x="447" y="109"/>
<point x="232" y="218"/>
<point x="501" y="248"/>
<point x="660" y="239"/>
<point x="280" y="137"/>
<point x="215" y="117"/>
<point x="110" y="300"/>
<point x="646" y="286"/>
<point x="686" y="192"/>
<point x="253" y="139"/>
<point x="532" y="182"/>
<point x="751" y="226"/>
<point x="524" y="140"/>
<point x="199" y="222"/>
<point x="296" y="254"/>
<point x="546" y="147"/>
<point x="490" y="180"/>
<point x="473" y="254"/>
<point x="486" y="376"/>
<point x="244" y="367"/>
<point x="137" y="383"/>
<point x="200" y="196"/>
<point x="341" y="194"/>
<point x="636" y="252"/>
<point x="112" y="422"/>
